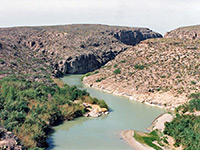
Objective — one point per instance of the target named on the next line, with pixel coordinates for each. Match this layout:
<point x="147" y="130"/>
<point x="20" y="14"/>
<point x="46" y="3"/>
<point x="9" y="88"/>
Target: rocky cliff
<point x="190" y="32"/>
<point x="70" y="49"/>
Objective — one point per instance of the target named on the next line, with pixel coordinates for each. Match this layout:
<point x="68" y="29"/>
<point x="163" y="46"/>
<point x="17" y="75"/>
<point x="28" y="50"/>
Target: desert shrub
<point x="117" y="71"/>
<point x="96" y="72"/>
<point x="86" y="75"/>
<point x="99" y="80"/>
<point x="123" y="61"/>
<point x="102" y="104"/>
<point x="115" y="65"/>
<point x="178" y="76"/>
<point x="193" y="82"/>
<point x="1" y="61"/>
<point x="139" y="67"/>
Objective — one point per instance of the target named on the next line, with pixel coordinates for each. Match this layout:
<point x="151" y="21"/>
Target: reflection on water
<point x="102" y="133"/>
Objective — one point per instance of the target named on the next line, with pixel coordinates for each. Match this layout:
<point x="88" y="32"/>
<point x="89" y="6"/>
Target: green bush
<point x="192" y="105"/>
<point x="30" y="108"/>
<point x="115" y="65"/>
<point x="178" y="76"/>
<point x="163" y="76"/>
<point x="139" y="67"/>
<point x="117" y="71"/>
<point x="96" y="72"/>
<point x="193" y="82"/>
<point x="99" y="80"/>
<point x="1" y="61"/>
<point x="123" y="61"/>
<point x="102" y="104"/>
<point x="194" y="95"/>
<point x="185" y="130"/>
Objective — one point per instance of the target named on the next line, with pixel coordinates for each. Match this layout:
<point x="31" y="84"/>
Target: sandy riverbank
<point x="128" y="137"/>
<point x="131" y="97"/>
<point x="158" y="123"/>
<point x="165" y="100"/>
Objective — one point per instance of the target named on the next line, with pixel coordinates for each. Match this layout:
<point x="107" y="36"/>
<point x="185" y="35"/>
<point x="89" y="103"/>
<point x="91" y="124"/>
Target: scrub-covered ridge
<point x="65" y="49"/>
<point x="161" y="72"/>
<point x="188" y="32"/>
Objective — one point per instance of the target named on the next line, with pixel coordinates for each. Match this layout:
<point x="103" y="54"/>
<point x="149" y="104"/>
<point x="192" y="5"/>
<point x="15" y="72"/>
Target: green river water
<point x="102" y="133"/>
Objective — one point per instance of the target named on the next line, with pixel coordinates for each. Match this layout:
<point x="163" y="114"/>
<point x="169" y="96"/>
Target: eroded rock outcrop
<point x="95" y="110"/>
<point x="133" y="37"/>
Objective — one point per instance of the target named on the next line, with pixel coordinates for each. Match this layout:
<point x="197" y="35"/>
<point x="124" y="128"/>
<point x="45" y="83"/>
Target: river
<point x="102" y="133"/>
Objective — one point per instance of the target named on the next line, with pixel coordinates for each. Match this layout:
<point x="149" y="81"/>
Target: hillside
<point x="58" y="50"/>
<point x="189" y="32"/>
<point x="160" y="72"/>
<point x="19" y="60"/>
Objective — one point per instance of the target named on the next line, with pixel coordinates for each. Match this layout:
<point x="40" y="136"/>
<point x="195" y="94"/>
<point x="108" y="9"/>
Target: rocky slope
<point x="190" y="32"/>
<point x="10" y="140"/>
<point x="160" y="72"/>
<point x="20" y="60"/>
<point x="69" y="49"/>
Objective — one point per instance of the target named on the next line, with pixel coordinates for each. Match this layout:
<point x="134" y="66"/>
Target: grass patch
<point x="147" y="138"/>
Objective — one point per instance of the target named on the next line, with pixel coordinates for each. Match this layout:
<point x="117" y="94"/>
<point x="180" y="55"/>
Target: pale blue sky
<point x="159" y="15"/>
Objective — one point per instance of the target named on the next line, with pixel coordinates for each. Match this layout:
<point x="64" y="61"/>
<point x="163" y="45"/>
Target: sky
<point x="158" y="15"/>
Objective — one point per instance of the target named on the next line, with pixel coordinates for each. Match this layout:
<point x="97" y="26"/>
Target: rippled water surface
<point x="102" y="133"/>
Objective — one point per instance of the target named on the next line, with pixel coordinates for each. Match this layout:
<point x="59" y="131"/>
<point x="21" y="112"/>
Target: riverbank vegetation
<point x="147" y="138"/>
<point x="29" y="109"/>
<point x="184" y="128"/>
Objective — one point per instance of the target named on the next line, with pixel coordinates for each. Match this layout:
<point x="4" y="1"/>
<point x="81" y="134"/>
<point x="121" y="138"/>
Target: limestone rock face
<point x="190" y="32"/>
<point x="131" y="37"/>
<point x="95" y="110"/>
<point x="74" y="49"/>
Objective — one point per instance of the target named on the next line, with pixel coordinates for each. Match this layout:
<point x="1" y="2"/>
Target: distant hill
<point x="189" y="32"/>
<point x="69" y="49"/>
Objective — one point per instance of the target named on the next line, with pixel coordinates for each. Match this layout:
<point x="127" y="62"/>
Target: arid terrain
<point x="162" y="72"/>
<point x="59" y="50"/>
